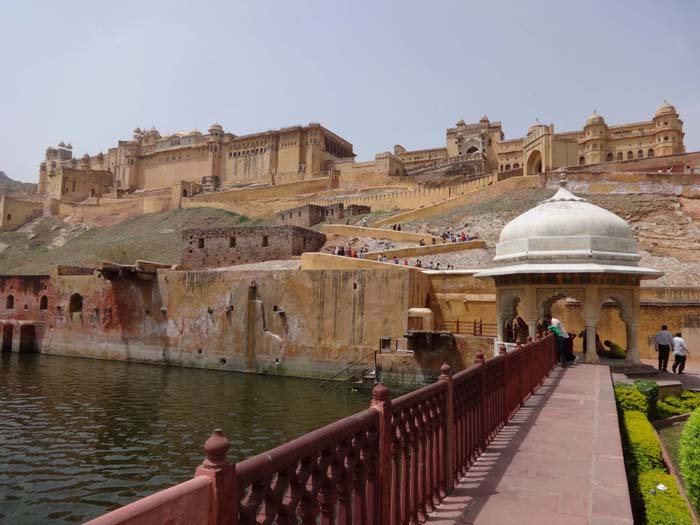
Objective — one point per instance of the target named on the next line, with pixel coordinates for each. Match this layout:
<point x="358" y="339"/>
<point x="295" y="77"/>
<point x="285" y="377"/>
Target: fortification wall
<point x="111" y="211"/>
<point x="344" y="230"/>
<point x="14" y="212"/>
<point x="422" y="251"/>
<point x="623" y="183"/>
<point x="277" y="191"/>
<point x="493" y="189"/>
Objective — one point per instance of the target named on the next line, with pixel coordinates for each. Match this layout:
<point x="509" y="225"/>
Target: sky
<point x="378" y="73"/>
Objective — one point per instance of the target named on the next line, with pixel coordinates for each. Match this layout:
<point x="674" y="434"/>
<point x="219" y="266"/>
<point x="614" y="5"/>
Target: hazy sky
<point x="377" y="73"/>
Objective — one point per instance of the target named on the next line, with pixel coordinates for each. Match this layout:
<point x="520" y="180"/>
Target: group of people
<point x="349" y="251"/>
<point x="664" y="342"/>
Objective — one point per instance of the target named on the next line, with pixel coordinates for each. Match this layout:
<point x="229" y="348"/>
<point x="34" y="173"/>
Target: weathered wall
<point x="343" y="230"/>
<point x="429" y="249"/>
<point x="216" y="247"/>
<point x="306" y="323"/>
<point x="14" y="212"/>
<point x="625" y="183"/>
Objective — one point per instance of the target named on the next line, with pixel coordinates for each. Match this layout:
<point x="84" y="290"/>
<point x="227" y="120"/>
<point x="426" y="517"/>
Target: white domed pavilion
<point x="567" y="247"/>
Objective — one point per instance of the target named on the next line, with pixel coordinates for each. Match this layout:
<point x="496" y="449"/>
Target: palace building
<point x="152" y="161"/>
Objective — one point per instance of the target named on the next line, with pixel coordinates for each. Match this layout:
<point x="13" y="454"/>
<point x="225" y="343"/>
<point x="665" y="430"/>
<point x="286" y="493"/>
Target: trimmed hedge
<point x="644" y="446"/>
<point x="690" y="458"/>
<point x="663" y="507"/>
<point x="650" y="390"/>
<point x="630" y="398"/>
<point x="677" y="405"/>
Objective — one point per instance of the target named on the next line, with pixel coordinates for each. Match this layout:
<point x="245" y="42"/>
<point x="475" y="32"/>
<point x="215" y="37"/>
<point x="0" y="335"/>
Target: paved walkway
<point x="559" y="461"/>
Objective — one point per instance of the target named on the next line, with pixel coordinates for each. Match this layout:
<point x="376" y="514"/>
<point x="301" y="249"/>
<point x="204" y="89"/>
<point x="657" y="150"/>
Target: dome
<point x="567" y="229"/>
<point x="665" y="109"/>
<point x="594" y="119"/>
<point x="216" y="126"/>
<point x="61" y="145"/>
<point x="460" y="123"/>
<point x="484" y="119"/>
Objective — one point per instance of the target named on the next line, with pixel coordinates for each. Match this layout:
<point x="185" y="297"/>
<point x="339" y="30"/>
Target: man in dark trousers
<point x="663" y="341"/>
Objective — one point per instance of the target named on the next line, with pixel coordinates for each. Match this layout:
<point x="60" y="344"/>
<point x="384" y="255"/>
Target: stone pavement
<point x="558" y="462"/>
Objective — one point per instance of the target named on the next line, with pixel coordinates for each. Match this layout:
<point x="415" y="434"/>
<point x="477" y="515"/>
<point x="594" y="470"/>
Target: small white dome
<point x="567" y="229"/>
<point x="594" y="119"/>
<point x="665" y="109"/>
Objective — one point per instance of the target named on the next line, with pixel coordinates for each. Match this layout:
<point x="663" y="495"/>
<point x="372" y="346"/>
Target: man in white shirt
<point x="562" y="336"/>
<point x="680" y="350"/>
<point x="663" y="341"/>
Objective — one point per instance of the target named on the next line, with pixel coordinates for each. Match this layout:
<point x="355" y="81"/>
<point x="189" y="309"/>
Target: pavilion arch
<point x="509" y="300"/>
<point x="75" y="304"/>
<point x="534" y="163"/>
<point x="469" y="147"/>
<point x="546" y="297"/>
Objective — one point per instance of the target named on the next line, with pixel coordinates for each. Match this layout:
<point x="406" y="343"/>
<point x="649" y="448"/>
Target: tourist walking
<point x="663" y="341"/>
<point x="680" y="350"/>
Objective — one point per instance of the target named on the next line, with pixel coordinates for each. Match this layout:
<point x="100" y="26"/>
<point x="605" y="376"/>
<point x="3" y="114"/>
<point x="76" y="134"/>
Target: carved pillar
<point x="591" y="329"/>
<point x="530" y="308"/>
<point x="632" y="350"/>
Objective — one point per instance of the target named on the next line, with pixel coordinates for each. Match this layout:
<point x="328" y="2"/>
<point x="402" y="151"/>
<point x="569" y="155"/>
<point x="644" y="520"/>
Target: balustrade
<point x="391" y="464"/>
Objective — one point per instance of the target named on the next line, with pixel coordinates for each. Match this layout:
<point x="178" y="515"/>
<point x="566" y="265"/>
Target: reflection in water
<point x="79" y="437"/>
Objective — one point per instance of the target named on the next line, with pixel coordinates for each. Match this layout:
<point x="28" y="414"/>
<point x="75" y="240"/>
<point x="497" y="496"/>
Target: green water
<point x="79" y="437"/>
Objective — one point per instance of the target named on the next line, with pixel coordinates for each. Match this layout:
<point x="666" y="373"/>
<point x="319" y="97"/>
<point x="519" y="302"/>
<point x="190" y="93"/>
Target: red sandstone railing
<point x="388" y="465"/>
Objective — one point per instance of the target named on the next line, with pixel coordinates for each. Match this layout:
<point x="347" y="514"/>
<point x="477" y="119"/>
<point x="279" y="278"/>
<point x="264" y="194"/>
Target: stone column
<point x="532" y="328"/>
<point x="500" y="322"/>
<point x="632" y="350"/>
<point x="591" y="329"/>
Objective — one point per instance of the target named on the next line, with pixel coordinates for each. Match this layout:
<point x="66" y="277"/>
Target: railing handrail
<point x="272" y="461"/>
<point x="348" y="367"/>
<point x="388" y="464"/>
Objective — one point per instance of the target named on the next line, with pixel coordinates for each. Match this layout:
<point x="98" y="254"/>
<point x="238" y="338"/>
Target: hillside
<point x="667" y="229"/>
<point x="40" y="245"/>
<point x="10" y="186"/>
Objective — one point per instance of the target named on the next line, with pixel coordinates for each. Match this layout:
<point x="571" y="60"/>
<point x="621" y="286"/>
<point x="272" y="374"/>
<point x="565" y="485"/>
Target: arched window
<point x="630" y="155"/>
<point x="620" y="156"/>
<point x="10" y="302"/>
<point x="609" y="157"/>
<point x="516" y="166"/>
<point x="184" y="193"/>
<point x="650" y="153"/>
<point x="76" y="303"/>
<point x="43" y="303"/>
<point x="640" y="154"/>
<point x="507" y="167"/>
<point x="582" y="160"/>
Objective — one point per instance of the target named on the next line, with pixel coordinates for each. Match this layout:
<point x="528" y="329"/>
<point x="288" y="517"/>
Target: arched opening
<point x="27" y="338"/>
<point x="92" y="193"/>
<point x="640" y="154"/>
<point x="534" y="163"/>
<point x="10" y="302"/>
<point x="75" y="304"/>
<point x="650" y="153"/>
<point x="609" y="157"/>
<point x="516" y="166"/>
<point x="507" y="167"/>
<point x="471" y="150"/>
<point x="612" y="329"/>
<point x="569" y="311"/>
<point x="630" y="155"/>
<point x="514" y="326"/>
<point x="620" y="156"/>
<point x="581" y="161"/>
<point x="7" y="330"/>
<point x="184" y="192"/>
<point x="43" y="303"/>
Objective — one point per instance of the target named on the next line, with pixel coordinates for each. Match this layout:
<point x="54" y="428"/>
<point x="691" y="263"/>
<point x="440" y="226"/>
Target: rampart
<point x="343" y="230"/>
<point x="627" y="182"/>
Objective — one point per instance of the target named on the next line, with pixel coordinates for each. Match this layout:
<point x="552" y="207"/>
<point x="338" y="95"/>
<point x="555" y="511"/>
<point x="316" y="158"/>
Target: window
<point x="265" y="240"/>
<point x="507" y="167"/>
<point x="10" y="302"/>
<point x="581" y="160"/>
<point x="630" y="155"/>
<point x="43" y="303"/>
<point x="200" y="242"/>
<point x="666" y="139"/>
<point x="609" y="157"/>
<point x="231" y="242"/>
<point x="9" y="216"/>
<point x="650" y="153"/>
<point x="619" y="155"/>
<point x="640" y="154"/>
<point x="75" y="304"/>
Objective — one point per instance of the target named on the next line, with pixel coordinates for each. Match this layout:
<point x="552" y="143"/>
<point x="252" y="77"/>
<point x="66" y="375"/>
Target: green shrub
<point x="677" y="405"/>
<point x="644" y="446"/>
<point x="630" y="398"/>
<point x="663" y="507"/>
<point x="690" y="457"/>
<point x="651" y="391"/>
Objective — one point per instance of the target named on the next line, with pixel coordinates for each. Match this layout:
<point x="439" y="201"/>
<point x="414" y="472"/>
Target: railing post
<point x="382" y="505"/>
<point x="223" y="475"/>
<point x="483" y="437"/>
<point x="450" y="451"/>
<point x="503" y="353"/>
<point x="457" y="329"/>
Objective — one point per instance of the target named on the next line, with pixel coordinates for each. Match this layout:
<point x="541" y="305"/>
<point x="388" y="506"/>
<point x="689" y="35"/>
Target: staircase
<point x="359" y="374"/>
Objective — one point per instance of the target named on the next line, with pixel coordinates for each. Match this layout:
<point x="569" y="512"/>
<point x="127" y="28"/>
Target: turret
<point x="592" y="149"/>
<point x="668" y="131"/>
